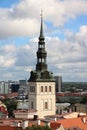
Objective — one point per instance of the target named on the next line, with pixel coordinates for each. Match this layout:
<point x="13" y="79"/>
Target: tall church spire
<point x="41" y="73"/>
<point x="41" y="53"/>
<point x="41" y="29"/>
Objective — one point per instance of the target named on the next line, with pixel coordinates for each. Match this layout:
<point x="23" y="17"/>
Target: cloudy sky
<point x="65" y="31"/>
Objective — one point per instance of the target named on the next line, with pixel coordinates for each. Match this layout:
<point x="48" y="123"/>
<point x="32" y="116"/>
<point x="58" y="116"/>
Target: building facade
<point x="4" y="87"/>
<point x="58" y="83"/>
<point x="42" y="83"/>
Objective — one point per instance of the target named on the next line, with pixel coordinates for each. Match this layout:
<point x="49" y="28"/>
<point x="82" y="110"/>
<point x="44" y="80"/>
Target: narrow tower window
<point x="46" y="105"/>
<point x="41" y="88"/>
<point x="32" y="105"/>
<point x="49" y="88"/>
<point x="45" y="88"/>
<point x="39" y="59"/>
<point x="42" y="60"/>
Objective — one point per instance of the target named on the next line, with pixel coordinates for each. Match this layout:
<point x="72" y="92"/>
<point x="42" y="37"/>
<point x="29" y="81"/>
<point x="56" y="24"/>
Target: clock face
<point x="32" y="88"/>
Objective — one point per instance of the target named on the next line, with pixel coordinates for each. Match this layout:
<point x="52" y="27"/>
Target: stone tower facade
<point x="42" y="83"/>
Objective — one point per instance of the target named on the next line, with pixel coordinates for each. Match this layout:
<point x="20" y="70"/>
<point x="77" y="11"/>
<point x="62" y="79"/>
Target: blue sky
<point x="7" y="3"/>
<point x="65" y="30"/>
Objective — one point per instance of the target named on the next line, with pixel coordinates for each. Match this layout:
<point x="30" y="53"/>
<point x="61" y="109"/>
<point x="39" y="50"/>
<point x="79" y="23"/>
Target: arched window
<point x="32" y="105"/>
<point x="46" y="105"/>
<point x="42" y="59"/>
<point x="39" y="59"/>
<point x="49" y="88"/>
<point x="41" y="88"/>
<point x="45" y="88"/>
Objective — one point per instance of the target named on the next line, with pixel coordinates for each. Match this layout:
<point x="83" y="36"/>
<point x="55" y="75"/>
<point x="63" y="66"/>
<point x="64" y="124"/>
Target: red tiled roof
<point x="55" y="125"/>
<point x="72" y="122"/>
<point x="9" y="122"/>
<point x="9" y="128"/>
<point x="25" y="110"/>
<point x="12" y="94"/>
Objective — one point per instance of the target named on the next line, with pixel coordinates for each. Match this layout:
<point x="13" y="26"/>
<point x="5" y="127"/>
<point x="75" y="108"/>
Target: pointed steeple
<point x="41" y="53"/>
<point x="41" y="73"/>
<point x="41" y="28"/>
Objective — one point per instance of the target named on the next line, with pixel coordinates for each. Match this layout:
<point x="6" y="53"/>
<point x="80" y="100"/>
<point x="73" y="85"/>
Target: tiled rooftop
<point x="80" y="122"/>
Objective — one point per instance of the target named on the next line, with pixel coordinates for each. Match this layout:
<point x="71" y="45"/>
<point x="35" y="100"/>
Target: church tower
<point x="42" y="82"/>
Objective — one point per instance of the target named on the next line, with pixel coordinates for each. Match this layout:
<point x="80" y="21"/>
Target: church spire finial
<point x="41" y="28"/>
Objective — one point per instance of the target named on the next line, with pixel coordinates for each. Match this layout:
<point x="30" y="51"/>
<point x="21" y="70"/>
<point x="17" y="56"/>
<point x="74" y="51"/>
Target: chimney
<point x="49" y="124"/>
<point x="39" y="122"/>
<point x="84" y="120"/>
<point x="19" y="124"/>
<point x="55" y="119"/>
<point x="25" y="124"/>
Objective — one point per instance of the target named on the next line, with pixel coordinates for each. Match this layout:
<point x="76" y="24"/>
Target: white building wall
<point x="4" y="87"/>
<point x="39" y="98"/>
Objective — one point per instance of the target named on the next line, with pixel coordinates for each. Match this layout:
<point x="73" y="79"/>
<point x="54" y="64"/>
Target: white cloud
<point x="69" y="56"/>
<point x="8" y="75"/>
<point x="11" y="28"/>
<point x="9" y="48"/>
<point x="9" y="62"/>
<point x="82" y="35"/>
<point x="22" y="18"/>
<point x="7" y="57"/>
<point x="64" y="57"/>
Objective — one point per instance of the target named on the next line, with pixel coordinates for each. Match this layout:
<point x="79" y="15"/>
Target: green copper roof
<point x="41" y="76"/>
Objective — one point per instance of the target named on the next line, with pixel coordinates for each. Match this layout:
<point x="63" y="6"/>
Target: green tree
<point x="72" y="100"/>
<point x="11" y="106"/>
<point x="84" y="100"/>
<point x="38" y="128"/>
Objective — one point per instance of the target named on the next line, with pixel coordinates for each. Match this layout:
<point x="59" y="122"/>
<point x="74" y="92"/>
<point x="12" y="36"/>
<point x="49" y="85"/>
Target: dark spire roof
<point x="41" y="28"/>
<point x="41" y="73"/>
<point x="41" y="53"/>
